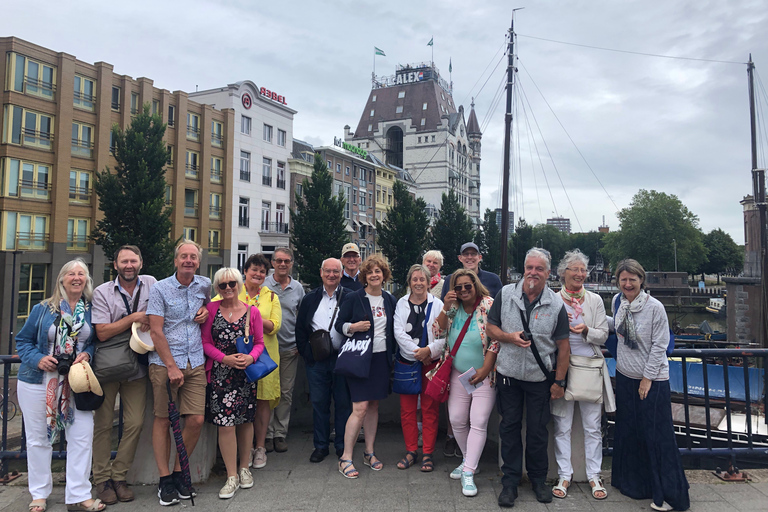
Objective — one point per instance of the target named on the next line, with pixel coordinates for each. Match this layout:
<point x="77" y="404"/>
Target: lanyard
<point x="135" y="301"/>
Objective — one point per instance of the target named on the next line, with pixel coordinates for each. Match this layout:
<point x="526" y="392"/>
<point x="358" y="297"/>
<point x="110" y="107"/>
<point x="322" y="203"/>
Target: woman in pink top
<point x="230" y="398"/>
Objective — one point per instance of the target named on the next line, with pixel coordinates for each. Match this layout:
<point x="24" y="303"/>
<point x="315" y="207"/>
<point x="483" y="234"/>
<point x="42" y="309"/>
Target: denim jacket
<point x="32" y="341"/>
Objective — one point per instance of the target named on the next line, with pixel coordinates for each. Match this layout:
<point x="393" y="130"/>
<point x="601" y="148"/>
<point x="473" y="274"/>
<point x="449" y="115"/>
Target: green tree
<point x="404" y="234"/>
<point x="318" y="231"/>
<point x="648" y="227"/>
<point x="452" y="229"/>
<point x="723" y="255"/>
<point x="519" y="243"/>
<point x="552" y="239"/>
<point x="133" y="197"/>
<point x="488" y="239"/>
<point x="589" y="243"/>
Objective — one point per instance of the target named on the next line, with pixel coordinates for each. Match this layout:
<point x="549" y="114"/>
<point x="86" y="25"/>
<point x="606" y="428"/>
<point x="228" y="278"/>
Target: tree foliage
<point x="649" y="226"/>
<point x="133" y="197"/>
<point x="318" y="230"/>
<point x="452" y="229"/>
<point x="723" y="255"/>
<point x="552" y="239"/>
<point x="488" y="239"/>
<point x="404" y="234"/>
<point x="519" y="243"/>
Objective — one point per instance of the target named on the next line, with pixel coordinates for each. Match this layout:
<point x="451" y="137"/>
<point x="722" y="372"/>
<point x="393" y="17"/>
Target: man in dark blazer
<point x="319" y="310"/>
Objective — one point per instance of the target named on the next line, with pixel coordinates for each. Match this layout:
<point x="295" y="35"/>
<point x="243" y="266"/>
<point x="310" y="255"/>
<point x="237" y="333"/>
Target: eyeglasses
<point x="331" y="271"/>
<point x="467" y="287"/>
<point x="577" y="270"/>
<point x="231" y="284"/>
<point x="282" y="262"/>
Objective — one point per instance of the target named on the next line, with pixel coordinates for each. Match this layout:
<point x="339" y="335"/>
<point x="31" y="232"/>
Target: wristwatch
<point x="561" y="383"/>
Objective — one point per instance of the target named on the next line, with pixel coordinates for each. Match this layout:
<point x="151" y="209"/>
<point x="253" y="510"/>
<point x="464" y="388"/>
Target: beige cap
<point x="141" y="342"/>
<point x="82" y="379"/>
<point x="350" y="247"/>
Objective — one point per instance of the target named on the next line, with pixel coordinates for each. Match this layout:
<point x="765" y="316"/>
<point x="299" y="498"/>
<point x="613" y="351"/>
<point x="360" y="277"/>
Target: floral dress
<point x="231" y="398"/>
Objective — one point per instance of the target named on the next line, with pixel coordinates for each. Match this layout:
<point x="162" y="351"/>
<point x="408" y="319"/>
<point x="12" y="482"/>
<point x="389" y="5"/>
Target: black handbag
<point x="320" y="341"/>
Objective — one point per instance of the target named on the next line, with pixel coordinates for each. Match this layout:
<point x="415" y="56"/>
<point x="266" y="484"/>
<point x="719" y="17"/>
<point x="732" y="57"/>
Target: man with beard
<point x="531" y="324"/>
<point x="116" y="306"/>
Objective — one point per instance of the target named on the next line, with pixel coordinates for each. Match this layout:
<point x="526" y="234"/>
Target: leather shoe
<point x="280" y="445"/>
<point x="269" y="444"/>
<point x="542" y="491"/>
<point x="318" y="455"/>
<point x="507" y="496"/>
<point x="106" y="493"/>
<point x="123" y="491"/>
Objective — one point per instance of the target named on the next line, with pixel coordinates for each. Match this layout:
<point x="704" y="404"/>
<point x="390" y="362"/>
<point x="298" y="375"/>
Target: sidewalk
<point x="290" y="482"/>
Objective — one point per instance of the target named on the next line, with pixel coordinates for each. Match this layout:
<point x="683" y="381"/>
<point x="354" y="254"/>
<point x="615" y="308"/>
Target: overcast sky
<point x="676" y="126"/>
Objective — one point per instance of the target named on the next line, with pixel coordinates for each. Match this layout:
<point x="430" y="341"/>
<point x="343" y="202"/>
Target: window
<point x="77" y="234"/>
<point x="155" y="107"/>
<point x="25" y="231"/>
<point x="171" y="115"/>
<point x="115" y="98"/>
<point x="267" y="133"/>
<point x="354" y="196"/>
<point x="82" y="140"/>
<point x="79" y="186"/>
<point x="399" y="109"/>
<point x="193" y="126"/>
<point x="372" y="112"/>
<point x="266" y="172"/>
<point x="245" y="166"/>
<point x="423" y="121"/>
<point x="193" y="165"/>
<point x="214" y="241"/>
<point x="25" y="179"/>
<point x="190" y="202"/>
<point x="31" y="77"/>
<point x="282" y="226"/>
<point x="299" y="189"/>
<point x="212" y="269"/>
<point x="401" y="95"/>
<point x="242" y="255"/>
<point x="338" y="167"/>
<point x="217" y="134"/>
<point x="362" y="231"/>
<point x="373" y="98"/>
<point x="245" y="125"/>
<point x="281" y="175"/>
<point x="168" y="194"/>
<point x="347" y="171"/>
<point x="215" y="169"/>
<point x="347" y="203"/>
<point x="169" y="161"/>
<point x="362" y="198"/>
<point x="433" y="138"/>
<point x="243" y="218"/>
<point x="32" y="289"/>
<point x="370" y="198"/>
<point x="281" y="137"/>
<point x="418" y="141"/>
<point x="134" y="103"/>
<point x="330" y="166"/>
<point x="190" y="234"/>
<point x="378" y="193"/>
<point x="265" y="209"/>
<point x="84" y="89"/>
<point x="424" y="106"/>
<point x="362" y="176"/>
<point x="370" y="128"/>
<point x="27" y="128"/>
<point x="214" y="211"/>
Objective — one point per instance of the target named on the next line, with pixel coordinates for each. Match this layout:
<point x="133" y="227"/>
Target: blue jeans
<point x="324" y="385"/>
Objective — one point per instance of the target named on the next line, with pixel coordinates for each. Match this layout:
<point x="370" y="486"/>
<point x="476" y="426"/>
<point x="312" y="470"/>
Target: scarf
<point x="59" y="410"/>
<point x="625" y="321"/>
<point x="573" y="299"/>
<point x="435" y="279"/>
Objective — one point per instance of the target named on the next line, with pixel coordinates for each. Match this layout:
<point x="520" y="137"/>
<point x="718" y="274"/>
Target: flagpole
<point x="433" y="50"/>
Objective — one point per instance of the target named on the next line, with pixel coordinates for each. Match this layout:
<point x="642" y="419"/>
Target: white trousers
<point x="79" y="442"/>
<point x="591" y="415"/>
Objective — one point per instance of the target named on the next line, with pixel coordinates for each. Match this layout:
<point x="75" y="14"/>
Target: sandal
<point x="40" y="505"/>
<point x="405" y="462"/>
<point x="375" y="465"/>
<point x="598" y="487"/>
<point x="561" y="489"/>
<point x="427" y="464"/>
<point x="95" y="506"/>
<point x="348" y="469"/>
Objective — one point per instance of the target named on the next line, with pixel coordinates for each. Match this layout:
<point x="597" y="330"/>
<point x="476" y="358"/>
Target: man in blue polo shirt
<point x="470" y="258"/>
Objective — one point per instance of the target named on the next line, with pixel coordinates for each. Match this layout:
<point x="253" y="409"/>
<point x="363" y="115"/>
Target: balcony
<point x="214" y="250"/>
<point x="33" y="189"/>
<point x="266" y="181"/>
<point x="78" y="243"/>
<point x="216" y="176"/>
<point x="245" y="175"/>
<point x="35" y="87"/>
<point x="193" y="133"/>
<point x="192" y="171"/>
<point x="214" y="212"/>
<point x="82" y="148"/>
<point x="281" y="183"/>
<point x="79" y="194"/>
<point x="84" y="101"/>
<point x="217" y="140"/>
<point x="274" y="227"/>
<point x="36" y="139"/>
<point x="190" y="209"/>
<point x="32" y="241"/>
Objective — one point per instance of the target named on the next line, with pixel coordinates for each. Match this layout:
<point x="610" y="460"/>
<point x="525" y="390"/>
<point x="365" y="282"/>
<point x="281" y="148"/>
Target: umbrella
<point x="181" y="450"/>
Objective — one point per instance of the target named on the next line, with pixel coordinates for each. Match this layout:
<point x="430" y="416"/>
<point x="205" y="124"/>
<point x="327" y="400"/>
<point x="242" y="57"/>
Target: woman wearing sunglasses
<point x="230" y="398"/>
<point x="462" y="321"/>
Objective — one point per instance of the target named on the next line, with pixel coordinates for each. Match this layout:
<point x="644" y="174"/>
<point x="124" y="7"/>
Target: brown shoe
<point x="106" y="493"/>
<point x="123" y="491"/>
<point x="280" y="445"/>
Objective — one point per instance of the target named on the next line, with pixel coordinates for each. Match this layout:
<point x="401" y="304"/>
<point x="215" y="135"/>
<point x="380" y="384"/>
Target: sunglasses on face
<point x="467" y="287"/>
<point x="231" y="284"/>
<point x="281" y="262"/>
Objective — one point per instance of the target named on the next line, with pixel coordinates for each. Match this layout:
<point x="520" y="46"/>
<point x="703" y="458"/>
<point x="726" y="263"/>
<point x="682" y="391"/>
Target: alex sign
<point x="409" y="77"/>
<point x="272" y="95"/>
<point x="349" y="147"/>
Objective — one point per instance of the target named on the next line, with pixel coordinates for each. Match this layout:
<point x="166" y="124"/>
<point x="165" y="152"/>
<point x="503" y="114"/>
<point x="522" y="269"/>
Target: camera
<point x="64" y="363"/>
<point x="527" y="336"/>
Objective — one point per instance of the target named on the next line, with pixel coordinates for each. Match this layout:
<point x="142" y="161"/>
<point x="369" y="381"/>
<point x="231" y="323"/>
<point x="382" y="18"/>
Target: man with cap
<point x="116" y="306"/>
<point x="350" y="260"/>
<point x="470" y="258"/>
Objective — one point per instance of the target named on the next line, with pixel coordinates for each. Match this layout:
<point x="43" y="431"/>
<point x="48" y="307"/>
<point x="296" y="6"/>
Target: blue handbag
<point x="407" y="379"/>
<point x="262" y="366"/>
<point x="611" y="344"/>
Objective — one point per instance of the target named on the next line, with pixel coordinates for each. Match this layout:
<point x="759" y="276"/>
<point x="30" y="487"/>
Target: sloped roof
<point x="301" y="150"/>
<point x="473" y="127"/>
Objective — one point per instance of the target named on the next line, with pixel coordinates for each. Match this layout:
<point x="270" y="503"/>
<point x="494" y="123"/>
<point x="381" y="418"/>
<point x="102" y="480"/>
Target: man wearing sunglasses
<point x="290" y="292"/>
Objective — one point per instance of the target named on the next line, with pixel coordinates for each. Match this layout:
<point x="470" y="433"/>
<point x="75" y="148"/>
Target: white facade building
<point x="260" y="176"/>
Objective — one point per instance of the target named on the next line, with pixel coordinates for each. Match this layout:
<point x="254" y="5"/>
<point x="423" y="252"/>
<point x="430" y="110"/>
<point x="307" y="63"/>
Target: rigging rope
<point x="541" y="164"/>
<point x="480" y="77"/>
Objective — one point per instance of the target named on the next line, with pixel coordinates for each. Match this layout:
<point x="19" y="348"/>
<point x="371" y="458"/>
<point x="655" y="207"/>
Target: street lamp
<point x="674" y="242"/>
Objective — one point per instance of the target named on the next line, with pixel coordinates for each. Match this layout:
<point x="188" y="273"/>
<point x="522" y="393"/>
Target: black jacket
<point x="356" y="308"/>
<point x="352" y="284"/>
<point x="307" y="308"/>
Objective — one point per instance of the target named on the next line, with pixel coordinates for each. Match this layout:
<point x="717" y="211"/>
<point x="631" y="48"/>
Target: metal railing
<point x="274" y="227"/>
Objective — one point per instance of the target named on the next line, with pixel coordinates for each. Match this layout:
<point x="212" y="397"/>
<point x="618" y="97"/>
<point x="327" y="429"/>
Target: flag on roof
<point x="430" y="42"/>
<point x="450" y="66"/>
<point x="379" y="51"/>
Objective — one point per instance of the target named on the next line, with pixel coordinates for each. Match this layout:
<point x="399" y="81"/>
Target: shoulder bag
<point x="320" y="340"/>
<point x="407" y="380"/>
<point x="355" y="354"/>
<point x="113" y="359"/>
<point x="262" y="366"/>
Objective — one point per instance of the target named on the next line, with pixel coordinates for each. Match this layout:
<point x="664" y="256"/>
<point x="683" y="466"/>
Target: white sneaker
<point x="259" y="457"/>
<point x="456" y="473"/>
<point x="230" y="486"/>
<point x="246" y="479"/>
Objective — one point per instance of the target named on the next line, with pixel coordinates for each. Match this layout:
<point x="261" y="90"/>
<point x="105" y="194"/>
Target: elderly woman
<point x="589" y="330"/>
<point x="414" y="316"/>
<point x="372" y="310"/>
<point x="433" y="260"/>
<point x="463" y="321"/>
<point x="646" y="459"/>
<point x="57" y="331"/>
<point x="230" y="398"/>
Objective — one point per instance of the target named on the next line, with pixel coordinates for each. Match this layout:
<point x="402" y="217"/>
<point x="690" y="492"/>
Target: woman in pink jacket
<point x="230" y="398"/>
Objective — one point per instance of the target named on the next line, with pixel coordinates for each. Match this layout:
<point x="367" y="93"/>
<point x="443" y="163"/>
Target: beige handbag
<point x="585" y="379"/>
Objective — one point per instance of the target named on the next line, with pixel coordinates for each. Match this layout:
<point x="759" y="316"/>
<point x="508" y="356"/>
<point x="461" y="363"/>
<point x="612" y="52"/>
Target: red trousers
<point x="430" y="411"/>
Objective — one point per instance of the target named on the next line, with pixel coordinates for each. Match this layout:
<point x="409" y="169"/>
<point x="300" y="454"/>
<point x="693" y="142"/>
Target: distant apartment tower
<point x="604" y="228"/>
<point x="410" y="121"/>
<point x="561" y="223"/>
<point x="511" y="228"/>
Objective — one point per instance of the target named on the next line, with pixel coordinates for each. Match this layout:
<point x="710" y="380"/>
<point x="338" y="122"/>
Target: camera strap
<point x="526" y="328"/>
<point x="128" y="308"/>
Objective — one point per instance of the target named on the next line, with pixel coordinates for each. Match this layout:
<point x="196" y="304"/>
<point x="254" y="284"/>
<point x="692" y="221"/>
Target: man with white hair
<point x="531" y="324"/>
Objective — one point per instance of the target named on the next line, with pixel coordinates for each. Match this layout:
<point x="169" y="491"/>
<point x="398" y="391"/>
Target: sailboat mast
<point x="507" y="145"/>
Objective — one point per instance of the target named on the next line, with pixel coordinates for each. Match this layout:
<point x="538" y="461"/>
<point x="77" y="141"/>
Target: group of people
<point x="509" y="347"/>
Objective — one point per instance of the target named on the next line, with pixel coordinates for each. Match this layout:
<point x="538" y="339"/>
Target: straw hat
<point x="141" y="342"/>
<point x="82" y="379"/>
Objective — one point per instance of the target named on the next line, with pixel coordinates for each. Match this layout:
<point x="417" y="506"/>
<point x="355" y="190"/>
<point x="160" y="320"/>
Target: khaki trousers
<point x="133" y="396"/>
<point x="281" y="415"/>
